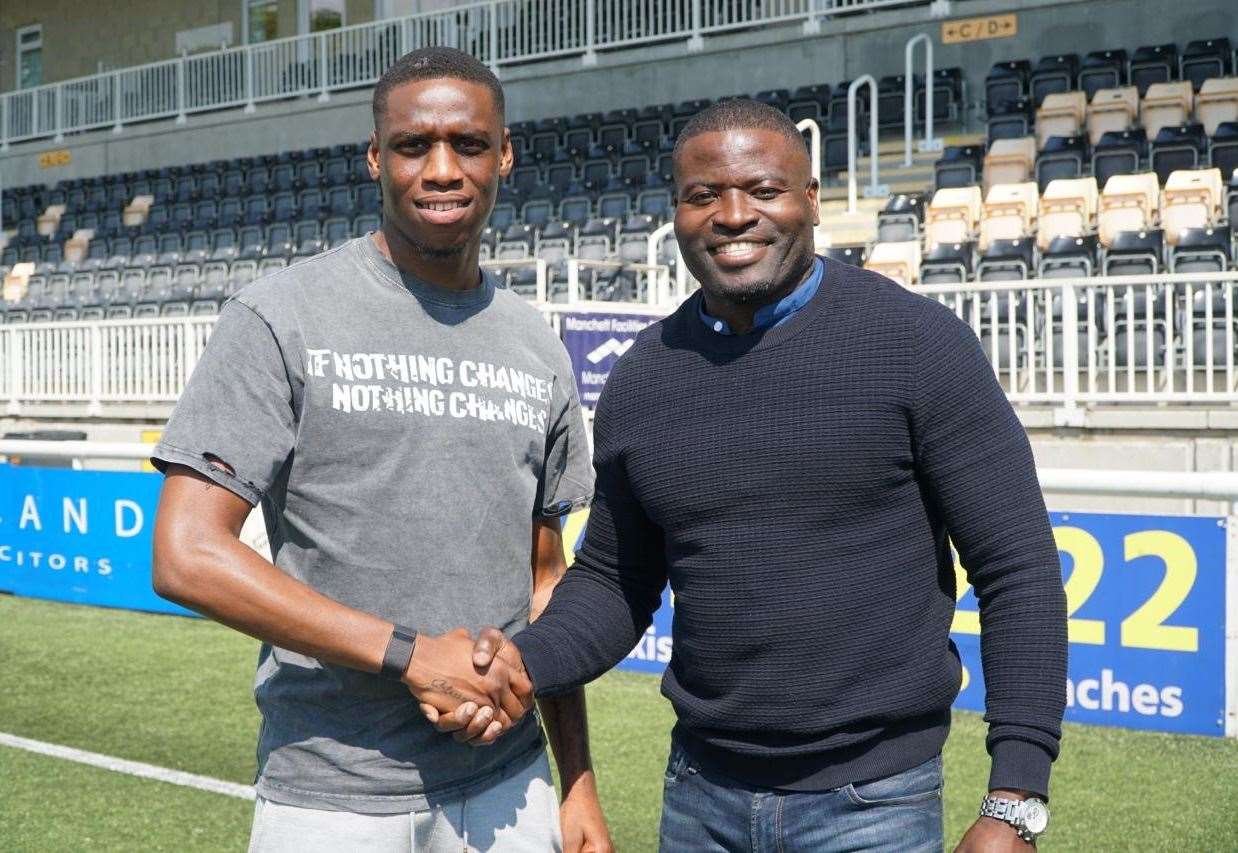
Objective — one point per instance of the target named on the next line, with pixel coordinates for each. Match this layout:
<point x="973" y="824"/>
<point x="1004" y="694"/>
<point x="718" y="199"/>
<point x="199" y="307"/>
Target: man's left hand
<point x="990" y="835"/>
<point x="581" y="820"/>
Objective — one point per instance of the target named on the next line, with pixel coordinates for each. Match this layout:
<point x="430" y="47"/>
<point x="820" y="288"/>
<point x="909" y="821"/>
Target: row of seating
<point x="1117" y="152"/>
<point x="1074" y="207"/>
<point x="1116" y="110"/>
<point x="1017" y="84"/>
<point x="160" y="291"/>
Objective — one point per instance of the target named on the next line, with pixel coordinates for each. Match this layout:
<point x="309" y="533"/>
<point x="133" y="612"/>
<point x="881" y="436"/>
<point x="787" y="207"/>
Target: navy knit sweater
<point x="797" y="488"/>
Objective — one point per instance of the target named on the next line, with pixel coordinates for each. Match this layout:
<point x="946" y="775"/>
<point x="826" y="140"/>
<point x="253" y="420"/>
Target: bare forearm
<point x="224" y="579"/>
<point x="567" y="728"/>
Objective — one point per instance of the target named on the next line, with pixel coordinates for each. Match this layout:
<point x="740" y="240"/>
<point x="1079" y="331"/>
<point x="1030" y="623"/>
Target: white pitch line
<point x="132" y="768"/>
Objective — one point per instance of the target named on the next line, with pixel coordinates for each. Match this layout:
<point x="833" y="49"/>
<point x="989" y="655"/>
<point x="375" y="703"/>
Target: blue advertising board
<point x="594" y="342"/>
<point x="1146" y="600"/>
<point x="79" y="536"/>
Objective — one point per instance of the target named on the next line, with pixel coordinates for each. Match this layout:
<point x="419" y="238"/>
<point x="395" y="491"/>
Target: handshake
<point x="474" y="689"/>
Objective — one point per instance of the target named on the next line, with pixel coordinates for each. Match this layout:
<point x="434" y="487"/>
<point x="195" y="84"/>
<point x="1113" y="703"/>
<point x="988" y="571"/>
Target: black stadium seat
<point x="1157" y="63"/>
<point x="1180" y="147"/>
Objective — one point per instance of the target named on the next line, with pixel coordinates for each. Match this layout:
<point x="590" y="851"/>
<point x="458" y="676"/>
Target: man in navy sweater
<point x="794" y="449"/>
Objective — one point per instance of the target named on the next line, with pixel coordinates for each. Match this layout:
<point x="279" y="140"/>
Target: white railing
<point x="1063" y="342"/>
<point x="93" y="362"/>
<point x="499" y="32"/>
<point x="1121" y="339"/>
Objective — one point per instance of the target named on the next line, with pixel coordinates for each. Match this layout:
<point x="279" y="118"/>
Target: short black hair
<point x="734" y="114"/>
<point x="433" y="63"/>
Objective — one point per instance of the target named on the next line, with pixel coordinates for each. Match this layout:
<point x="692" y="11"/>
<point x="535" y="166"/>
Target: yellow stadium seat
<point x="1192" y="199"/>
<point x="135" y="212"/>
<point x="1166" y="105"/>
<point x="899" y="262"/>
<point x="1060" y="114"/>
<point x="1128" y="203"/>
<point x="1068" y="207"/>
<point x="952" y="215"/>
<point x="1217" y="102"/>
<point x="1009" y="212"/>
<point x="1009" y="161"/>
<point x="1112" y="109"/>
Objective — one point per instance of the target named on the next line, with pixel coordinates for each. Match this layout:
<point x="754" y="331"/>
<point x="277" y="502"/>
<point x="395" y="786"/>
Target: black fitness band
<point x="399" y="653"/>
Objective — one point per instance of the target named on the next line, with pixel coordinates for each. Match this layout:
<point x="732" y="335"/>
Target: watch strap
<point x="1008" y="811"/>
<point x="399" y="653"/>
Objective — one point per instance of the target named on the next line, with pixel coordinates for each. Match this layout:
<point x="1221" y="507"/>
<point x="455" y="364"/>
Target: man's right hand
<point x="464" y="686"/>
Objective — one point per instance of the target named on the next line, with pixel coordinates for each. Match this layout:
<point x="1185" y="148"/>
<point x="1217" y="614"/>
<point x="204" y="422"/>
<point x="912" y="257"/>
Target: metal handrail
<point x="873" y="189"/>
<point x="929" y="143"/>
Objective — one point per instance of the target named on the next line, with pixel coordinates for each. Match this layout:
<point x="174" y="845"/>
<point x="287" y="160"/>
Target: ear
<point x="814" y="200"/>
<point x="507" y="157"/>
<point x="372" y="158"/>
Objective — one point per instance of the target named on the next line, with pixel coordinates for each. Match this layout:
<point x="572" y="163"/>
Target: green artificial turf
<point x="175" y="692"/>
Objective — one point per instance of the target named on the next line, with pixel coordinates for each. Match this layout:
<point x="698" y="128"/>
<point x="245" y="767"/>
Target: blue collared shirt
<point x="779" y="312"/>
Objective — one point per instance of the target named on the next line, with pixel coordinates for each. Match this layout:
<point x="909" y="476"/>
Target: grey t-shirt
<point x="401" y="439"/>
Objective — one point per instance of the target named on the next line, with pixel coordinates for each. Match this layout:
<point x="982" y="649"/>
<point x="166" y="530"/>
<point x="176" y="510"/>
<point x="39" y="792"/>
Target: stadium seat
<point x="1201" y="250"/>
<point x="1206" y="58"/>
<point x="1009" y="161"/>
<point x="1166" y="105"/>
<point x="958" y="166"/>
<point x="1223" y="151"/>
<point x="850" y="255"/>
<point x="953" y="216"/>
<point x="1060" y="114"/>
<point x="1053" y="75"/>
<point x="1217" y="102"/>
<point x="1112" y="110"/>
<point x="1192" y="199"/>
<point x="1067" y="208"/>
<point x="1068" y="257"/>
<point x="1128" y="203"/>
<point x="899" y="262"/>
<point x="1153" y="64"/>
<point x="947" y="263"/>
<point x="1102" y="69"/>
<point x="900" y="220"/>
<point x="1063" y="157"/>
<point x="1135" y="253"/>
<point x="1010" y="121"/>
<point x="1175" y="148"/>
<point x="1118" y="153"/>
<point x="1006" y="83"/>
<point x="1009" y="213"/>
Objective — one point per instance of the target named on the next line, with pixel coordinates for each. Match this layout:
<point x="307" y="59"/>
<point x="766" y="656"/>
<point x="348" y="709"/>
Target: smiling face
<point x="746" y="204"/>
<point x="439" y="153"/>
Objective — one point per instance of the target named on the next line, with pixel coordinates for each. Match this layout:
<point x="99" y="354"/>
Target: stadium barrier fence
<point x="498" y="32"/>
<point x="1064" y="342"/>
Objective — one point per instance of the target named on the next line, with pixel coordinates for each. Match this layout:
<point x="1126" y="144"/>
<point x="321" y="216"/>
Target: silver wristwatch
<point x="1030" y="817"/>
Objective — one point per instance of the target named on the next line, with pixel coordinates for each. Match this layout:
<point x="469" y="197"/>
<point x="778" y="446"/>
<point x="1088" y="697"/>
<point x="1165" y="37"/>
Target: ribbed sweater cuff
<point x="1019" y="765"/>
<point x="540" y="662"/>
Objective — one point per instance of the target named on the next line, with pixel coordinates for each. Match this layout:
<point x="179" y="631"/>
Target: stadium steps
<point x="918" y="177"/>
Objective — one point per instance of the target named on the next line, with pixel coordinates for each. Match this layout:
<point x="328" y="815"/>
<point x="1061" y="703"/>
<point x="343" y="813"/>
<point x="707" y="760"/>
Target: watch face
<point x="1035" y="816"/>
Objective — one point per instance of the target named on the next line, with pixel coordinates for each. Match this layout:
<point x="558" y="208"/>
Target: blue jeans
<point x="900" y="813"/>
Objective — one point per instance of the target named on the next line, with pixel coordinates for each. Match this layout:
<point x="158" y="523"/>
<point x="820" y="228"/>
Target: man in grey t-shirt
<point x="413" y="435"/>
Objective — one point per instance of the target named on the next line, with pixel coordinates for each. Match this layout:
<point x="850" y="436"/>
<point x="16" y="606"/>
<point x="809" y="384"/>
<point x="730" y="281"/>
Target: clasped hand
<point x="475" y="690"/>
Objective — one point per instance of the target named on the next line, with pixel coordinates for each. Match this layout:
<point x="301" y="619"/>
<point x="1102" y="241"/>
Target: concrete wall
<point x="769" y="57"/>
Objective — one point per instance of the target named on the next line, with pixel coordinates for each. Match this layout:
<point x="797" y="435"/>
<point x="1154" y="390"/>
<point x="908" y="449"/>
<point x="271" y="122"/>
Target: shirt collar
<point x="771" y="315"/>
